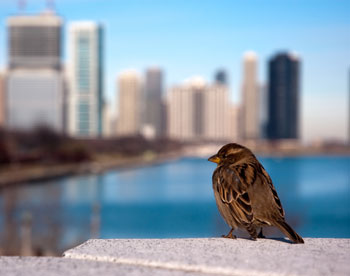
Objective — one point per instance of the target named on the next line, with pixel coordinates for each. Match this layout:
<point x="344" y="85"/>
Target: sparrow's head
<point x="231" y="153"/>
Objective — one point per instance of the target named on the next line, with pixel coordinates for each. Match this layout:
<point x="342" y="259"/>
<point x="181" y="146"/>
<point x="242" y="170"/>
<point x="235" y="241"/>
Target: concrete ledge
<point x="209" y="256"/>
<point x="221" y="256"/>
<point x="51" y="266"/>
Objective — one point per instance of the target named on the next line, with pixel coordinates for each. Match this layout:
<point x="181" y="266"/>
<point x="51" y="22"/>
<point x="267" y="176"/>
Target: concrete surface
<point x="207" y="256"/>
<point x="53" y="266"/>
<point x="223" y="256"/>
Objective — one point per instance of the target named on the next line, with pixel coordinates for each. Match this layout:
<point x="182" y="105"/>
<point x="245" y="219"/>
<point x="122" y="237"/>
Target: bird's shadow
<point x="281" y="240"/>
<point x="275" y="239"/>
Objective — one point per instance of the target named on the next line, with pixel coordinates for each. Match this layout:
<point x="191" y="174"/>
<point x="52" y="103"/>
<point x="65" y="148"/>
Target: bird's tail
<point x="289" y="232"/>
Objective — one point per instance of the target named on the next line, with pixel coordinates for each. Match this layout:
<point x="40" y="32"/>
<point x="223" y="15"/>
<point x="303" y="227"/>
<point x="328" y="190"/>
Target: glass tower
<point x="283" y="97"/>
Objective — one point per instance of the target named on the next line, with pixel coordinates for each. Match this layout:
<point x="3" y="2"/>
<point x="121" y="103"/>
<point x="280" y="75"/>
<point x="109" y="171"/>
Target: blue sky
<point x="196" y="37"/>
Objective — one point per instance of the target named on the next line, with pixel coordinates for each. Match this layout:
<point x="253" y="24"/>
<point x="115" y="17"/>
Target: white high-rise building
<point x="34" y="98"/>
<point x="130" y="97"/>
<point x="34" y="41"/>
<point x="85" y="78"/>
<point x="217" y="113"/>
<point x="250" y="98"/>
<point x="35" y="84"/>
<point x="109" y="121"/>
<point x="197" y="111"/>
<point x="233" y="124"/>
<point x="180" y="113"/>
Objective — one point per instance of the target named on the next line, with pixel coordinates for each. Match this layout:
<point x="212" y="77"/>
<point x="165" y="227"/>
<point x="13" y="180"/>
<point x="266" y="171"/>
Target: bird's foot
<point x="260" y="235"/>
<point x="229" y="235"/>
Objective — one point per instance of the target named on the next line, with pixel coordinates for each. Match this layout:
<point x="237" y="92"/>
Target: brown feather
<point x="234" y="193"/>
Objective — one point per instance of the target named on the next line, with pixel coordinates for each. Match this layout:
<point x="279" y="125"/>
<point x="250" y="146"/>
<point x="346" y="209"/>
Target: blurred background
<point x="110" y="109"/>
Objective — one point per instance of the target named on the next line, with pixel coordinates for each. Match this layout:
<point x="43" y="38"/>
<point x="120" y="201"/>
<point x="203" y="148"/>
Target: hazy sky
<point x="195" y="37"/>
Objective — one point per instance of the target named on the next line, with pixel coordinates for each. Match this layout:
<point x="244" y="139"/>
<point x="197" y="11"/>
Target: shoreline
<point x="14" y="175"/>
<point x="23" y="174"/>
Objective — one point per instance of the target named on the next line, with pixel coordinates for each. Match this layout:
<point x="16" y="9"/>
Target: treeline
<point x="43" y="145"/>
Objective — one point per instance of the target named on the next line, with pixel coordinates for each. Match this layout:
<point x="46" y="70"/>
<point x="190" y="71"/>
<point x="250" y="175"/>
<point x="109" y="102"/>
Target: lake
<point x="173" y="199"/>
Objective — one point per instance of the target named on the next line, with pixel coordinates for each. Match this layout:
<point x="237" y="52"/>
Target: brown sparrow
<point x="245" y="195"/>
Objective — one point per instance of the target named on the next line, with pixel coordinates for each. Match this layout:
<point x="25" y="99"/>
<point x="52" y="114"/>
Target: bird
<point x="245" y="195"/>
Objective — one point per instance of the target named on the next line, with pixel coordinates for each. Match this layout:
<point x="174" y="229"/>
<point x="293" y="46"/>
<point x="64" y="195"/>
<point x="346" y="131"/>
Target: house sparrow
<point x="245" y="195"/>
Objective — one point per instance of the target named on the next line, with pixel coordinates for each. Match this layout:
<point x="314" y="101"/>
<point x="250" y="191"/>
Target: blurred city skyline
<point x="187" y="38"/>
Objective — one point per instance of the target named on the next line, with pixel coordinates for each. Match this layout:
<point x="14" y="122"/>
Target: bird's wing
<point x="233" y="191"/>
<point x="267" y="179"/>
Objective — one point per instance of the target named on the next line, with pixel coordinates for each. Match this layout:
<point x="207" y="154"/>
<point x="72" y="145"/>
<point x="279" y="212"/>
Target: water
<point x="174" y="199"/>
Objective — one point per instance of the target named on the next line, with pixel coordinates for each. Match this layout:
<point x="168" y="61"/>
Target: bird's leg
<point x="229" y="235"/>
<point x="260" y="235"/>
<point x="252" y="231"/>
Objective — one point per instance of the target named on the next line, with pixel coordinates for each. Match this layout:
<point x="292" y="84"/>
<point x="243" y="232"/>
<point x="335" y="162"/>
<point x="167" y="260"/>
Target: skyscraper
<point x="221" y="77"/>
<point x="263" y="110"/>
<point x="185" y="107"/>
<point x="250" y="95"/>
<point x="283" y="97"/>
<point x="198" y="111"/>
<point x="34" y="90"/>
<point x="217" y="113"/>
<point x="349" y="107"/>
<point x="152" y="109"/>
<point x="2" y="99"/>
<point x="180" y="125"/>
<point x="34" y="41"/>
<point x="198" y="88"/>
<point x="109" y="123"/>
<point x="85" y="78"/>
<point x="233" y="124"/>
<point x="130" y="96"/>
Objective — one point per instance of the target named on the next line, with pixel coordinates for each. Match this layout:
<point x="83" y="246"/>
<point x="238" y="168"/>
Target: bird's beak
<point x="214" y="159"/>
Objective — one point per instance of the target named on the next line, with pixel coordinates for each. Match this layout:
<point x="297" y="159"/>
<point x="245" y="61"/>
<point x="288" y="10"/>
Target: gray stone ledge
<point x="53" y="266"/>
<point x="207" y="256"/>
<point x="223" y="256"/>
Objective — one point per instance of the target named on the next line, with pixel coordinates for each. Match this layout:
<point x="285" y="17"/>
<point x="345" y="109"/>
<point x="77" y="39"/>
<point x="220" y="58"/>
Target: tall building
<point x="349" y="108"/>
<point x="221" y="77"/>
<point x="263" y="110"/>
<point x="34" y="41"/>
<point x="217" y="113"/>
<point x="185" y="106"/>
<point x="85" y="78"/>
<point x="35" y="84"/>
<point x="2" y="99"/>
<point x="283" y="97"/>
<point x="233" y="123"/>
<point x="179" y="109"/>
<point x="250" y="96"/>
<point x="34" y="98"/>
<point x="197" y="111"/>
<point x="130" y="97"/>
<point x="152" y="108"/>
<point x="108" y="121"/>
